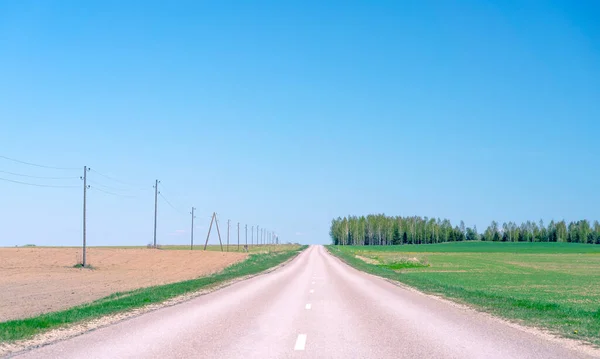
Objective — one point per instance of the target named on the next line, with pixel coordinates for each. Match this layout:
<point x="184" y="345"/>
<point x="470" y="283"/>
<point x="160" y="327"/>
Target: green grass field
<point x="550" y="285"/>
<point x="119" y="302"/>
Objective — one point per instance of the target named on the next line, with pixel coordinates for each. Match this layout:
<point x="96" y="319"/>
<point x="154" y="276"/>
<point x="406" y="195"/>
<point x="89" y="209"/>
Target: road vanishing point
<point x="314" y="307"/>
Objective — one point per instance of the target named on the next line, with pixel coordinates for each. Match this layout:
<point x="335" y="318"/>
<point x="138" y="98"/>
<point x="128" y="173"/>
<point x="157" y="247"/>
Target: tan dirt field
<point x="40" y="280"/>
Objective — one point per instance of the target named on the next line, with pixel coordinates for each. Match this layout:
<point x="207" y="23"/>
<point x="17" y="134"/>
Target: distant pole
<point x="252" y="237"/>
<point x="228" y="234"/>
<point x="85" y="170"/>
<point x="238" y="236"/>
<point x="192" y="241"/>
<point x="246" y="236"/>
<point x="155" y="208"/>
<point x="218" y="231"/>
<point x="257" y="239"/>
<point x="212" y="218"/>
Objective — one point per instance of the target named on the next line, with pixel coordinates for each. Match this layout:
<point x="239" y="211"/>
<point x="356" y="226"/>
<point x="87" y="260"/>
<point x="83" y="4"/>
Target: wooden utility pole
<point x="246" y="236"/>
<point x="228" y="234"/>
<point x="85" y="171"/>
<point x="192" y="239"/>
<point x="218" y="231"/>
<point x="238" y="236"/>
<point x="213" y="219"/>
<point x="257" y="240"/>
<point x="252" y="237"/>
<point x="155" y="208"/>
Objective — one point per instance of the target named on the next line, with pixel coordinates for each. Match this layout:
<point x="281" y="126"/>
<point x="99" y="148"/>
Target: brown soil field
<point x="40" y="280"/>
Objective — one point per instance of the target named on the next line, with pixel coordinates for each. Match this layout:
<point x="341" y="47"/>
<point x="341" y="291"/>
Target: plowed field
<point x="40" y="280"/>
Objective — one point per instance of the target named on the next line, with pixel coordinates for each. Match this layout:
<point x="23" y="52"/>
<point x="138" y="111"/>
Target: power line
<point x="37" y="185"/>
<point x="107" y="187"/>
<point x="36" y="165"/>
<point x="40" y="177"/>
<point x="163" y="189"/>
<point x="169" y="203"/>
<point x="113" y="179"/>
<point x="114" y="194"/>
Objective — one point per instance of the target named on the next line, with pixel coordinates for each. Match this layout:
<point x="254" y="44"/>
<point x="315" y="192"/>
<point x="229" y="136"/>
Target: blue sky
<point x="287" y="114"/>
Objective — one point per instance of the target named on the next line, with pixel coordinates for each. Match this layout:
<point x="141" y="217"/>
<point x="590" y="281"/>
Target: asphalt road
<point x="314" y="307"/>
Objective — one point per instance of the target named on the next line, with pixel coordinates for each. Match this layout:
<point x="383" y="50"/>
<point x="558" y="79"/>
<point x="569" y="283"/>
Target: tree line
<point x="379" y="229"/>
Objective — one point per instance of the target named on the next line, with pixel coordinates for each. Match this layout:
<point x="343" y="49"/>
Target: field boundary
<point x="581" y="346"/>
<point x="48" y="337"/>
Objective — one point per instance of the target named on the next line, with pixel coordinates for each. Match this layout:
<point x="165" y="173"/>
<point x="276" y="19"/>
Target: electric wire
<point x="105" y="186"/>
<point x="39" y="177"/>
<point x="169" y="203"/>
<point x="113" y="179"/>
<point x="36" y="184"/>
<point x="162" y="189"/>
<point x="36" y="165"/>
<point x="111" y="193"/>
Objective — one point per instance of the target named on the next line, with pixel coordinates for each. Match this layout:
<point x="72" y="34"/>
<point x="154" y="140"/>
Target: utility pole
<point x="228" y="234"/>
<point x="85" y="187"/>
<point x="155" y="208"/>
<point x="257" y="240"/>
<point x="238" y="236"/>
<point x="218" y="231"/>
<point x="246" y="237"/>
<point x="216" y="221"/>
<point x="251" y="239"/>
<point x="192" y="241"/>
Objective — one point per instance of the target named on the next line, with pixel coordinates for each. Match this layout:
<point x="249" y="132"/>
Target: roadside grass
<point x="549" y="285"/>
<point x="118" y="302"/>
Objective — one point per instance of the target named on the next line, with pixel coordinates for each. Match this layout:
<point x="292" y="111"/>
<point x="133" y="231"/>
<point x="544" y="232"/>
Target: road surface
<point x="314" y="307"/>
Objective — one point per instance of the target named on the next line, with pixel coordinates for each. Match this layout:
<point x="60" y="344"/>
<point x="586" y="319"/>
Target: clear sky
<point x="286" y="114"/>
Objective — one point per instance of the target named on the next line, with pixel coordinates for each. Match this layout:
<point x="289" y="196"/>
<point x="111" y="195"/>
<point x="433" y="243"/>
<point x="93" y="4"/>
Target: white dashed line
<point x="311" y="291"/>
<point x="300" y="342"/>
<point x="308" y="306"/>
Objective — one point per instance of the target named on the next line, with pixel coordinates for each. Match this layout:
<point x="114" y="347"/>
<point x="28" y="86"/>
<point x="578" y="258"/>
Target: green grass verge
<point x="553" y="286"/>
<point x="26" y="328"/>
<point x="486" y="247"/>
